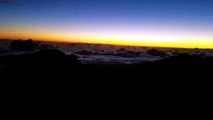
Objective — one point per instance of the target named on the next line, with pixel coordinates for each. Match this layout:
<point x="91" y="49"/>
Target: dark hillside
<point x="52" y="85"/>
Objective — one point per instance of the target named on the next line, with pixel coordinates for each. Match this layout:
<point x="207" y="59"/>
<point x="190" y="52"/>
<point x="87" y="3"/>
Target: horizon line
<point x="120" y="44"/>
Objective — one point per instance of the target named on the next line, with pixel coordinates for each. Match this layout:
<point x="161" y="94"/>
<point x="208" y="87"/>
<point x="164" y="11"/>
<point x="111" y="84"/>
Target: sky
<point x="164" y="23"/>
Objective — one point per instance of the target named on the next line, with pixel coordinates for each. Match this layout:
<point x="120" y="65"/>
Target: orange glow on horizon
<point x="117" y="40"/>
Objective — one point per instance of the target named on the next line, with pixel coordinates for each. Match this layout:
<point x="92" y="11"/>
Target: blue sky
<point x="184" y="19"/>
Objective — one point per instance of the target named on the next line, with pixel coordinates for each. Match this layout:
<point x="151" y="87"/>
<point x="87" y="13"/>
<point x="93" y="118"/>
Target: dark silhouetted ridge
<point x="51" y="85"/>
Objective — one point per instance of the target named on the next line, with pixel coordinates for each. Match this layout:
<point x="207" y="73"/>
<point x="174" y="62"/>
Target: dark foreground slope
<point x="51" y="85"/>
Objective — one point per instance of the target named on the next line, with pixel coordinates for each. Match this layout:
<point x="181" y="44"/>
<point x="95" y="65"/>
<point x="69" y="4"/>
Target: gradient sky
<point x="173" y="23"/>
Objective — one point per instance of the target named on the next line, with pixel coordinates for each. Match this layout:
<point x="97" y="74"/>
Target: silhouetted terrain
<point x="99" y="53"/>
<point x="51" y="85"/>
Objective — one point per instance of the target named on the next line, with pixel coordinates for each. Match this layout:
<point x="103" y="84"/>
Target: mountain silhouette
<point x="51" y="85"/>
